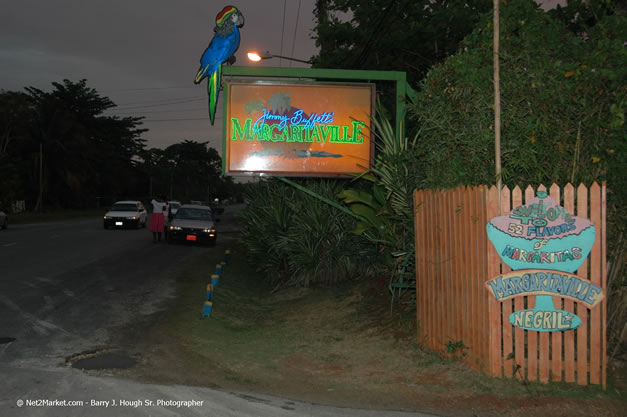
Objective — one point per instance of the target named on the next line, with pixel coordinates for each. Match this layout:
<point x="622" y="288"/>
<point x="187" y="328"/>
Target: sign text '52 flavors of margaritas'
<point x="541" y="234"/>
<point x="307" y="129"/>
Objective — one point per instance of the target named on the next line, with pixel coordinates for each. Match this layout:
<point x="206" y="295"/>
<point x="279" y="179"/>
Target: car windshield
<point x="175" y="205"/>
<point x="124" y="207"/>
<point x="194" y="214"/>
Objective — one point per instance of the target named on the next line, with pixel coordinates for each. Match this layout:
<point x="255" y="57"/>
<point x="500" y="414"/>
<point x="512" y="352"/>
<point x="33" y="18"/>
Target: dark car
<point x="193" y="223"/>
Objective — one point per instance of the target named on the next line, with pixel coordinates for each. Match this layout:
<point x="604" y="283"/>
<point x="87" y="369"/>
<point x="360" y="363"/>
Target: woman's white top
<point x="157" y="206"/>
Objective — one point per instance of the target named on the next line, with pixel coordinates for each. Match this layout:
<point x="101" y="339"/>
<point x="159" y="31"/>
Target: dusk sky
<point x="144" y="54"/>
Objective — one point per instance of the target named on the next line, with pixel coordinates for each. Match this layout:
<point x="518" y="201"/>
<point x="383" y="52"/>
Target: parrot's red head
<point x="225" y="15"/>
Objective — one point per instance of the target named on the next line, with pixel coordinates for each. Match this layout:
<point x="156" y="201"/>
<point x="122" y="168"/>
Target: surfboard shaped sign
<point x="544" y="284"/>
<point x="542" y="234"/>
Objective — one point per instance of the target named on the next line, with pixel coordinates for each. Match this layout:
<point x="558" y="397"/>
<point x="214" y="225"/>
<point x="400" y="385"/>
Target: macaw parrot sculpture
<point x="221" y="49"/>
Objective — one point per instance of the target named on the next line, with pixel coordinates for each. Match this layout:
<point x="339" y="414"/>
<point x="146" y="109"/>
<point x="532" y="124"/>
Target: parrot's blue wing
<point x="220" y="49"/>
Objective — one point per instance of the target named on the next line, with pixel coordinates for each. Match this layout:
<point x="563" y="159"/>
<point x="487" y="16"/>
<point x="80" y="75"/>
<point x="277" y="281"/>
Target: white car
<point x="174" y="206"/>
<point x="126" y="214"/>
<point x="4" y="219"/>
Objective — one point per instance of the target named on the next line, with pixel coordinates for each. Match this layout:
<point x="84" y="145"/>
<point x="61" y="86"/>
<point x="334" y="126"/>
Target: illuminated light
<point x="255" y="163"/>
<point x="254" y="56"/>
<point x="105" y="217"/>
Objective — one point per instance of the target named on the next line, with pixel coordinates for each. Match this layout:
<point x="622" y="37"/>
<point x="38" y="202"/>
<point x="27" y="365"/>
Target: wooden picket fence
<point x="454" y="258"/>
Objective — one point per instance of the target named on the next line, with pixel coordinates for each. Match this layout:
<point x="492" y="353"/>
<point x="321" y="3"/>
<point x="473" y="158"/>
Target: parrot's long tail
<point x="201" y="74"/>
<point x="213" y="89"/>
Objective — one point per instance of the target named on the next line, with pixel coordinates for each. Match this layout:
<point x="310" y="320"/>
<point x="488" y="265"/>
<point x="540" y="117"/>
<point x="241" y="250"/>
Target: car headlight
<point x="176" y="228"/>
<point x="207" y="230"/>
<point x="105" y="217"/>
<point x="132" y="218"/>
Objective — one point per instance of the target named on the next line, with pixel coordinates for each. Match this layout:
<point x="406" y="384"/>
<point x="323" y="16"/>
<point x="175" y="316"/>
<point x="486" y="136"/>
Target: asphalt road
<point x="63" y="287"/>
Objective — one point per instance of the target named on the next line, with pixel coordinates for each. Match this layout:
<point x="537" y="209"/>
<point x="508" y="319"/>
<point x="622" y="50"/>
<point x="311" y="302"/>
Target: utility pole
<point x="40" y="198"/>
<point x="497" y="101"/>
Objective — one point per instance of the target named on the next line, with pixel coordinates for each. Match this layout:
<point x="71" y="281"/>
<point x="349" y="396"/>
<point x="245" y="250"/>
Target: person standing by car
<point x="157" y="220"/>
<point x="166" y="218"/>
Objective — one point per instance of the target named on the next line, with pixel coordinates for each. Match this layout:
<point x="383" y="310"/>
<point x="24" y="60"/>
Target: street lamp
<point x="254" y="56"/>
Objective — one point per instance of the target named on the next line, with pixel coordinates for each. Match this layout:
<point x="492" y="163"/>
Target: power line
<point x="164" y="103"/>
<point x="153" y="88"/>
<point x="164" y="111"/>
<point x="178" y="120"/>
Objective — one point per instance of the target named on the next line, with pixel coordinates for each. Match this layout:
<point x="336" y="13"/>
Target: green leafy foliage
<point x="403" y="35"/>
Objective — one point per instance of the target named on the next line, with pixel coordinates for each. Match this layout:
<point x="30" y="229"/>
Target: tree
<point x="62" y="150"/>
<point x="85" y="154"/>
<point x="401" y="35"/>
<point x="185" y="171"/>
<point x="14" y="122"/>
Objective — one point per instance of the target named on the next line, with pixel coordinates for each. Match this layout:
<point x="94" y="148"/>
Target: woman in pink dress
<point x="157" y="220"/>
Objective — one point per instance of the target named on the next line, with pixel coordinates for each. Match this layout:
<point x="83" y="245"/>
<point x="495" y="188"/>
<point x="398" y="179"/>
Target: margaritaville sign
<point x="300" y="129"/>
<point x="542" y="234"/>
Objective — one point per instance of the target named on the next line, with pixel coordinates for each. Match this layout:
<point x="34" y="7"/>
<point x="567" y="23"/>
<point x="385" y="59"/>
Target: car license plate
<point x="191" y="237"/>
<point x="119" y="223"/>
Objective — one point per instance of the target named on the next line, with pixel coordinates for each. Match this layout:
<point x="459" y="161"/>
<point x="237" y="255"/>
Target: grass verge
<point x="337" y="346"/>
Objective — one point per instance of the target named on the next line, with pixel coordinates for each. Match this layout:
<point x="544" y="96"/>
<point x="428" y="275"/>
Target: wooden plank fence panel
<point x="466" y="219"/>
<point x="453" y="261"/>
<point x="595" y="277"/>
<point x="447" y="256"/>
<point x="493" y="305"/>
<point x="532" y="337"/>
<point x="457" y="239"/>
<point x="582" y="311"/>
<point x="484" y="333"/>
<point x="543" y="350"/>
<point x="419" y="241"/>
<point x="438" y="262"/>
<point x="603" y="306"/>
<point x="519" y="304"/>
<point x="433" y="260"/>
<point x="507" y="304"/>
<point x="477" y="279"/>
<point x="428" y="277"/>
<point x="569" y="337"/>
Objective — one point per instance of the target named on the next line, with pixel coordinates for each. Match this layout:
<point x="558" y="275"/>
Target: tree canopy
<point x="58" y="149"/>
<point x="400" y="35"/>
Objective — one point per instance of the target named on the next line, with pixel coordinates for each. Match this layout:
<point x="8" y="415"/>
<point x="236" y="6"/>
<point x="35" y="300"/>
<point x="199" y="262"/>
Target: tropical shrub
<point x="296" y="239"/>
